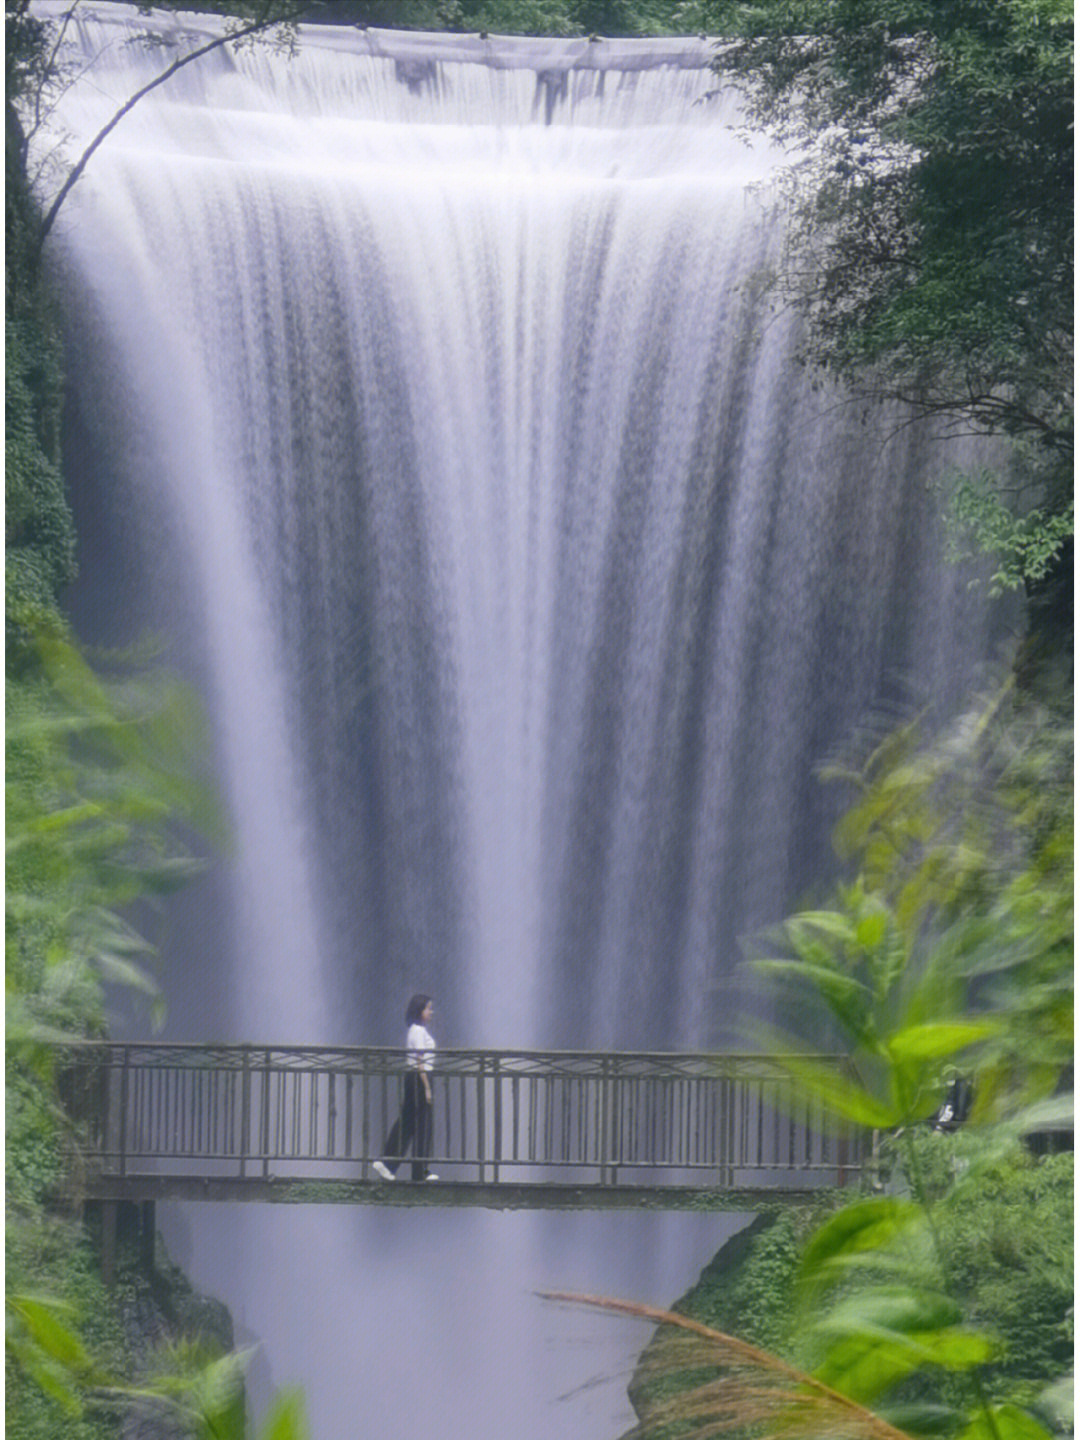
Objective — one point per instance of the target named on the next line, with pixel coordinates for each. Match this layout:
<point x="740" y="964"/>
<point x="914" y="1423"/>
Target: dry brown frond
<point x="699" y="1382"/>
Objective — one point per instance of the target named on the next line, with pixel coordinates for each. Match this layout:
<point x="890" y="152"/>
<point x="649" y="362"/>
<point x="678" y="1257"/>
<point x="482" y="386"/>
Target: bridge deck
<point x="512" y="1129"/>
<point x="504" y="1195"/>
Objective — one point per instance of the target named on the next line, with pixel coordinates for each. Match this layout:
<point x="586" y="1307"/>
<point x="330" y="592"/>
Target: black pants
<point x="413" y="1126"/>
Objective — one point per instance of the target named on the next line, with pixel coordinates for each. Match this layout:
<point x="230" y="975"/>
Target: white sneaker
<point x="383" y="1171"/>
<point x="431" y="1176"/>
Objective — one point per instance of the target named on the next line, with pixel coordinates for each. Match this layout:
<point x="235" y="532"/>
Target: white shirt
<point x="421" y="1047"/>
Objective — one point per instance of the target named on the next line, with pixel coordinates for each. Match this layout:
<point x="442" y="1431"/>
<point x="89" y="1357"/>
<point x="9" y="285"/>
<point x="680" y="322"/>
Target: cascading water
<point x="447" y="432"/>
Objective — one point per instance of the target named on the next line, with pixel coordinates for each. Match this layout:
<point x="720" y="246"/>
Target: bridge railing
<point x="264" y="1112"/>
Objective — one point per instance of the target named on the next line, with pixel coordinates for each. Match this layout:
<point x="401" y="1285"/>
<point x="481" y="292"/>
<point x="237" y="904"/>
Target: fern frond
<point x="701" y="1383"/>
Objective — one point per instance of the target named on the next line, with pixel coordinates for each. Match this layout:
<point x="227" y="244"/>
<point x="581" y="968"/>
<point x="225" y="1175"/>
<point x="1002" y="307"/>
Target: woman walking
<point x="413" y="1126"/>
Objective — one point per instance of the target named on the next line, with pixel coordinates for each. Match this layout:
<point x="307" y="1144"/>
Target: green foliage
<point x="931" y="243"/>
<point x="1025" y="546"/>
<point x="39" y="536"/>
<point x="1007" y="1236"/>
<point x="34" y="1154"/>
<point x="939" y="1301"/>
<point x="908" y="1296"/>
<point x="102" y="785"/>
<point x="99" y="783"/>
<point x="950" y="952"/>
<point x="41" y="1341"/>
<point x="207" y="1397"/>
<point x="64" y="1335"/>
<point x="749" y="1287"/>
<point x="952" y="946"/>
<point x="607" y="18"/>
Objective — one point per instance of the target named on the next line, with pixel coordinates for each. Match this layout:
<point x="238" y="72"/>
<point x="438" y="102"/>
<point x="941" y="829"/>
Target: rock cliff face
<point x="168" y="1325"/>
<point x="744" y="1290"/>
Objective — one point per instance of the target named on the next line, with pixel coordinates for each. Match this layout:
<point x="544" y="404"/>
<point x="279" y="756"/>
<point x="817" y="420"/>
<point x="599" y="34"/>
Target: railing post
<point x="366" y="1094"/>
<point x="607" y="1171"/>
<point x="481" y="1119"/>
<point x="99" y="1085"/>
<point x="245" y="1108"/>
<point x="264" y="1127"/>
<point x="122" y="1138"/>
<point x="497" y="1141"/>
<point x="841" y="1157"/>
<point x="728" y="1148"/>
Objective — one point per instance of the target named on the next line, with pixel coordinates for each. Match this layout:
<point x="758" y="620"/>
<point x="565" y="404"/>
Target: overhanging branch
<point x="286" y="17"/>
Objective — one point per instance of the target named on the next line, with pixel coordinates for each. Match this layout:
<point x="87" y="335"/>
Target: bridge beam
<point x="505" y="1195"/>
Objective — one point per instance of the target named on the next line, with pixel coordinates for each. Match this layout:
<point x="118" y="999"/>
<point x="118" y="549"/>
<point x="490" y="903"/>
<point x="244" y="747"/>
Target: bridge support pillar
<point x="147" y="1235"/>
<point x="124" y="1221"/>
<point x="109" y="1228"/>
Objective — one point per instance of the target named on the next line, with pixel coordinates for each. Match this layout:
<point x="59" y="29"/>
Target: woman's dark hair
<point x="416" y="1007"/>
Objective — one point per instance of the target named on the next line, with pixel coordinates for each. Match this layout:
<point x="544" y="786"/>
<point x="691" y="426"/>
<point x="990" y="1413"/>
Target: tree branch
<point x="253" y="28"/>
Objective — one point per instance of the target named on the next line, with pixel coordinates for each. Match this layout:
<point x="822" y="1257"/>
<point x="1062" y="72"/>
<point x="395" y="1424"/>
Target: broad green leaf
<point x="872" y="929"/>
<point x="867" y="1363"/>
<point x="867" y="1225"/>
<point x="845" y="996"/>
<point x="893" y="1311"/>
<point x="959" y="1349"/>
<point x="287" y="1418"/>
<point x="938" y="1041"/>
<point x="1005" y="1422"/>
<point x="865" y="1367"/>
<point x="217" y="1396"/>
<point x="842" y="1096"/>
<point x="41" y="1317"/>
<point x="920" y="1418"/>
<point x="46" y="1375"/>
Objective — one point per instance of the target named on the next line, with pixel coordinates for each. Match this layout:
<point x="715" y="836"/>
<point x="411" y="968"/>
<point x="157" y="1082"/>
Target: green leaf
<point x="920" y="1418"/>
<point x="286" y="1418"/>
<point x="217" y="1399"/>
<point x="1005" y="1422"/>
<point x="942" y="1039"/>
<point x="864" y="1367"/>
<point x="41" y="1318"/>
<point x="872" y="929"/>
<point x="866" y="1226"/>
<point x="830" y="923"/>
<point x="841" y="1095"/>
<point x="868" y="1360"/>
<point x="893" y="1311"/>
<point x="122" y="972"/>
<point x="847" y="997"/>
<point x="45" y="1375"/>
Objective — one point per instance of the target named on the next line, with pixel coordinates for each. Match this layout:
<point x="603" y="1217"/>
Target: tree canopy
<point x="931" y="182"/>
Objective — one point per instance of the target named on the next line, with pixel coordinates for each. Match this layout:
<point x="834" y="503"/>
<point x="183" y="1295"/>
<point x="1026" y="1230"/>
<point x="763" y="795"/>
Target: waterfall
<point x="425" y="394"/>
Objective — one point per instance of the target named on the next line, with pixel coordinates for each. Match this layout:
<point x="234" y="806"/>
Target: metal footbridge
<point x="513" y="1129"/>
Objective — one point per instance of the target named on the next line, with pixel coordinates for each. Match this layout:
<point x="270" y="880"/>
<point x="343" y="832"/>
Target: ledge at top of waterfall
<point x="497" y="51"/>
<point x="396" y="75"/>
